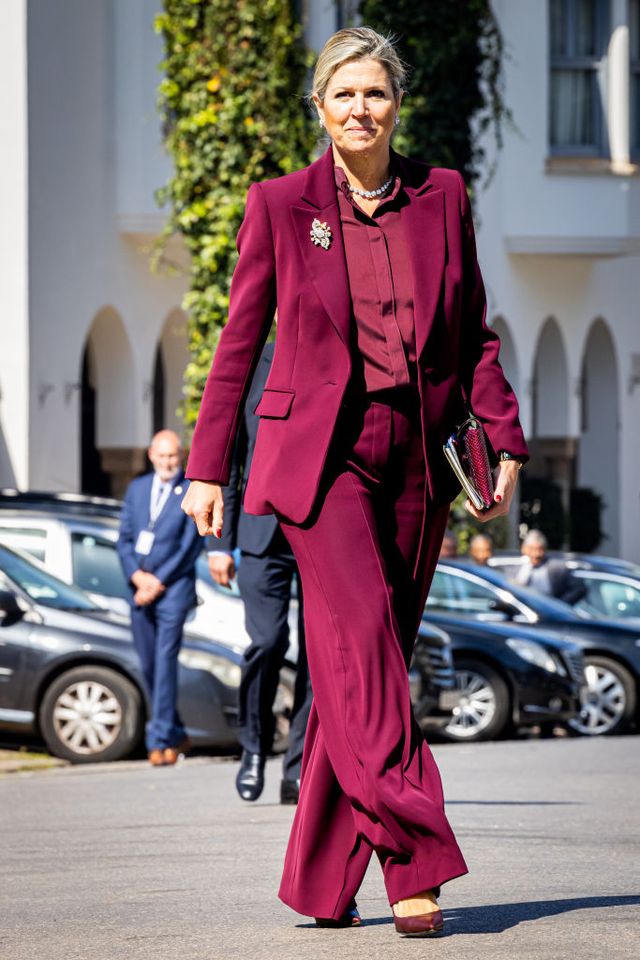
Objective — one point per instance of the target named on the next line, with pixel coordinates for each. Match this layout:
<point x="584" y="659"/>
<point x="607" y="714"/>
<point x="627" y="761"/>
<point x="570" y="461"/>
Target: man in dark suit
<point x="158" y="547"/>
<point x="265" y="578"/>
<point x="549" y="576"/>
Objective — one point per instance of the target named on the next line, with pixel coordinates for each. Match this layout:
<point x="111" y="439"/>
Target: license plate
<point x="448" y="699"/>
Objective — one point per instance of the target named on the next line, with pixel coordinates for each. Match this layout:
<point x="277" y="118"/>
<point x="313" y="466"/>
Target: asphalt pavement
<point x="124" y="861"/>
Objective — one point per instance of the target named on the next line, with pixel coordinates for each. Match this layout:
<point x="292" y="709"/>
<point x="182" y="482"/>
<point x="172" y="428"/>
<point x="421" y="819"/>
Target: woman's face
<point x="359" y="107"/>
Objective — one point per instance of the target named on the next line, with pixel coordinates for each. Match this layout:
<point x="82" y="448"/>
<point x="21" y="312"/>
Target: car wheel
<point x="608" y="702"/>
<point x="483" y="710"/>
<point x="91" y="714"/>
<point x="282" y="707"/>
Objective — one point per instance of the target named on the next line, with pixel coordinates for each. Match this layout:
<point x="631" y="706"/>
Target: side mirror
<point x="10" y="610"/>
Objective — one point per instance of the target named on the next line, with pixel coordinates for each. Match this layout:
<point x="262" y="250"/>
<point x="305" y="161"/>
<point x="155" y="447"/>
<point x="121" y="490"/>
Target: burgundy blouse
<point x="381" y="285"/>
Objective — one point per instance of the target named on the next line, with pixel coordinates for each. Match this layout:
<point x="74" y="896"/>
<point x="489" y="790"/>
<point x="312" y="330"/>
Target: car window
<point x="32" y="540"/>
<point x="40" y="585"/>
<point x="475" y="598"/>
<point x="610" y="598"/>
<point x="443" y="594"/>
<point x="96" y="566"/>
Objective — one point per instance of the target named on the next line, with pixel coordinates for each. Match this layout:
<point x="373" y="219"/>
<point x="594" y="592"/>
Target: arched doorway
<point x="171" y="358"/>
<point x="599" y="454"/>
<point x="109" y="456"/>
<point x="551" y="470"/>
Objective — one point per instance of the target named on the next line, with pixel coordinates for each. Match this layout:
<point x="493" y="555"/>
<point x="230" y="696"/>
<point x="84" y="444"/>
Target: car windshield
<point x="40" y="586"/>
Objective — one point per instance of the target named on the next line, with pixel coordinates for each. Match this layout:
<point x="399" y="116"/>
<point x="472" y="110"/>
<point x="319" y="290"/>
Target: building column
<point x="618" y="88"/>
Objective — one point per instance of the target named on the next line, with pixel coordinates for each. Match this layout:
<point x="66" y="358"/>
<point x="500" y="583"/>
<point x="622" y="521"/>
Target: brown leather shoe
<point x="156" y="758"/>
<point x="422" y="925"/>
<point x="171" y="754"/>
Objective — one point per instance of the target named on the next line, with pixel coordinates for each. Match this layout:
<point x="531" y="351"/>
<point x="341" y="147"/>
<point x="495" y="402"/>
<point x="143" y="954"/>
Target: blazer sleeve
<point x="251" y="310"/>
<point x="126" y="536"/>
<point x="487" y="392"/>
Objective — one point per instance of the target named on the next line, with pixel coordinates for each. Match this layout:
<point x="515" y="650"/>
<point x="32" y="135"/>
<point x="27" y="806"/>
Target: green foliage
<point x="464" y="526"/>
<point x="455" y="51"/>
<point x="231" y="98"/>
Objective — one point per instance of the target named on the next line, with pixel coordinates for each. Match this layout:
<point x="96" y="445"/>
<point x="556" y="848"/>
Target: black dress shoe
<point x="289" y="792"/>
<point x="250" y="779"/>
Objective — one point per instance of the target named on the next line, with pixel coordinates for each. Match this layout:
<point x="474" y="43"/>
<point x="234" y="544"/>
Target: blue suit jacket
<point x="176" y="544"/>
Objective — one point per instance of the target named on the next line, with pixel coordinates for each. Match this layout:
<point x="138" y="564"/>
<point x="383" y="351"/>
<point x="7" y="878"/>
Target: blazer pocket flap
<point x="275" y="403"/>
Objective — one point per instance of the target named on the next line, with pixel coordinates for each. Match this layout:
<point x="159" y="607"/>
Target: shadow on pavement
<point x="515" y="803"/>
<point x="499" y="917"/>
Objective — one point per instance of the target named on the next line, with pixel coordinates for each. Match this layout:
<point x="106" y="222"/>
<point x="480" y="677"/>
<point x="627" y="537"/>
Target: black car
<point x="432" y="678"/>
<point x="70" y="674"/>
<point x="462" y="592"/>
<point x="507" y="677"/>
<point x="611" y="587"/>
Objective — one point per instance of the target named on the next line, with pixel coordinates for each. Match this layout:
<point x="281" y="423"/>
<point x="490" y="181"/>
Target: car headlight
<point x="536" y="654"/>
<point x="224" y="670"/>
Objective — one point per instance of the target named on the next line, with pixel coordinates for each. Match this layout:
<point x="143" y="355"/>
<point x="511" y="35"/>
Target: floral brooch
<point x="320" y="234"/>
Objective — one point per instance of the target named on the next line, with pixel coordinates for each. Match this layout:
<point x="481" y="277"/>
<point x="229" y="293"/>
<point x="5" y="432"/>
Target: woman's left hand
<point x="505" y="486"/>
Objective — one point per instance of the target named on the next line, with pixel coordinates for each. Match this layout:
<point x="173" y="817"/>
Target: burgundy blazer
<point x="279" y="265"/>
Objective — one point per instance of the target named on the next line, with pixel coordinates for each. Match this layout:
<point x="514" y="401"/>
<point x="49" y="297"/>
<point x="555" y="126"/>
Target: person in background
<point x="480" y="549"/>
<point x="158" y="547"/>
<point x="549" y="576"/>
<point x="449" y="548"/>
<point x="265" y="575"/>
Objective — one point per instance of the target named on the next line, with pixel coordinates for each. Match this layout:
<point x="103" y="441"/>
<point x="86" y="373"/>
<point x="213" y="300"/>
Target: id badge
<point x="144" y="543"/>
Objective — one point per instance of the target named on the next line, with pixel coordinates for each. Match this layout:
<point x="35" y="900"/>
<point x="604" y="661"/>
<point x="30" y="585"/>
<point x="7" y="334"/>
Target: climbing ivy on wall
<point x="231" y="101"/>
<point x="455" y="51"/>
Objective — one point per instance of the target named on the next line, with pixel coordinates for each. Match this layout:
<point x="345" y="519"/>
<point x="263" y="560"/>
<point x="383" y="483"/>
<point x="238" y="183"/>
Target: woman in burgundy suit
<point x="381" y="345"/>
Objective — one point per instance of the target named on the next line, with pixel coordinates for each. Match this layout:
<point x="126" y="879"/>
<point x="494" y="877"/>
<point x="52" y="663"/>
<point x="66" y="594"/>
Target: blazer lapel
<point x="423" y="219"/>
<point x="326" y="268"/>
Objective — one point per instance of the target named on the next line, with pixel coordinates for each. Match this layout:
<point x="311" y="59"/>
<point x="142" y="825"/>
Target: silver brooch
<point x="321" y="234"/>
<point x="177" y="491"/>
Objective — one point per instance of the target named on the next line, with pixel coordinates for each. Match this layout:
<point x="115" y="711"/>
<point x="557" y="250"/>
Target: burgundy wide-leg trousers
<point x="366" y="558"/>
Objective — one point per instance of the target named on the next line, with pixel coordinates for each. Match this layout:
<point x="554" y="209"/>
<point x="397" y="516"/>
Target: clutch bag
<point x="466" y="451"/>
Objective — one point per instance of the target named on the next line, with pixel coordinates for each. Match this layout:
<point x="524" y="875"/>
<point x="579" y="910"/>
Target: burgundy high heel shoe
<point x="350" y="918"/>
<point x="422" y="925"/>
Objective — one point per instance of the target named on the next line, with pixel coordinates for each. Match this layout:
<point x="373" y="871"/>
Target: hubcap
<point x="602" y="701"/>
<point x="476" y="707"/>
<point x="87" y="717"/>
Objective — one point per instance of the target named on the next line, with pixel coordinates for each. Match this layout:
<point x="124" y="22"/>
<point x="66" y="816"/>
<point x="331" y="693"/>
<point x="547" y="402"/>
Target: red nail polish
<point x="219" y="533"/>
<point x="498" y="498"/>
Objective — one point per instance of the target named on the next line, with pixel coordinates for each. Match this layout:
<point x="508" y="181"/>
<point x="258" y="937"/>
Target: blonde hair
<point x="358" y="43"/>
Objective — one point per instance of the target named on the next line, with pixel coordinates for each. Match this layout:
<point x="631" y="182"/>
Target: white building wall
<point x="563" y="245"/>
<point x="81" y="179"/>
<point x="14" y="276"/>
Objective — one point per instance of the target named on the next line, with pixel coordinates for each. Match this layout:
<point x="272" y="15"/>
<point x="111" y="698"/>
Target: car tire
<point x="484" y="711"/>
<point x="282" y="707"/>
<point x="91" y="714"/>
<point x="609" y="700"/>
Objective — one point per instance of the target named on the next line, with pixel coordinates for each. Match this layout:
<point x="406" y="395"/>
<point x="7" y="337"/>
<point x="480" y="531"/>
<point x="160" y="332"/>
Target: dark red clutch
<point x="466" y="451"/>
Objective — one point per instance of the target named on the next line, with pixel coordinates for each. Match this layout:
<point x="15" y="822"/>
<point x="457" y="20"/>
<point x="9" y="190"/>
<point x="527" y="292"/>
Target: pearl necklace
<point x="370" y="194"/>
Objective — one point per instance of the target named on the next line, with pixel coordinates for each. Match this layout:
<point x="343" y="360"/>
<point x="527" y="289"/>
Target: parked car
<point x="432" y="678"/>
<point x="462" y="592"/>
<point x="80" y="549"/>
<point x="70" y="674"/>
<point x="612" y="585"/>
<point x="508" y="676"/>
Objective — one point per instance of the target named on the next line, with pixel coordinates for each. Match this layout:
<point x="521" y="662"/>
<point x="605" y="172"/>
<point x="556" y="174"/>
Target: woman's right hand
<point x="204" y="503"/>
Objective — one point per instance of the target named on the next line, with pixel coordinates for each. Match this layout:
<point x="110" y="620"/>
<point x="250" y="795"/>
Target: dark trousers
<point x="265" y="585"/>
<point x="157" y="635"/>
<point x="369" y="781"/>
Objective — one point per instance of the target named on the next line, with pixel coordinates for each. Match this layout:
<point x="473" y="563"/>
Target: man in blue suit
<point x="158" y="547"/>
<point x="265" y="576"/>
